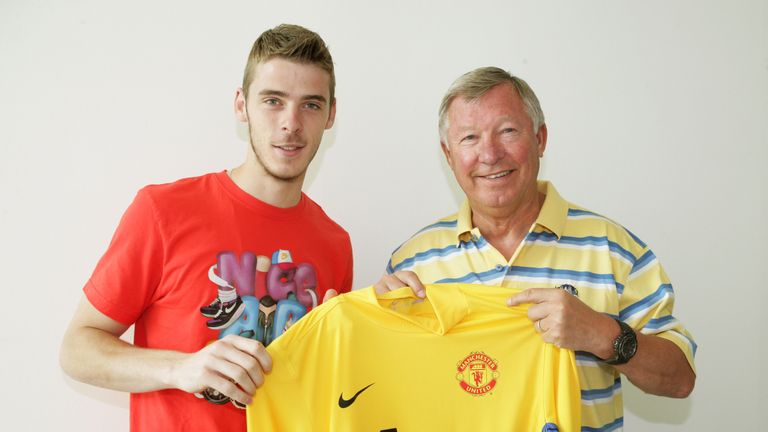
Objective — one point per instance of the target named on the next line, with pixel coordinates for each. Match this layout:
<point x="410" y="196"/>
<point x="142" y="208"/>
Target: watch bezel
<point x="624" y="346"/>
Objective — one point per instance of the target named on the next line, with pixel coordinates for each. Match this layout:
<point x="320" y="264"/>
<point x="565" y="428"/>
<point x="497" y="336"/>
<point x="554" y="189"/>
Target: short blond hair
<point x="290" y="42"/>
<point x="474" y="84"/>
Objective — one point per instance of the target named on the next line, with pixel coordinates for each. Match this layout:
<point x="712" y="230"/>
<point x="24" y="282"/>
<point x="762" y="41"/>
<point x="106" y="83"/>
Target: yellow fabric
<point x="613" y="270"/>
<point x="418" y="356"/>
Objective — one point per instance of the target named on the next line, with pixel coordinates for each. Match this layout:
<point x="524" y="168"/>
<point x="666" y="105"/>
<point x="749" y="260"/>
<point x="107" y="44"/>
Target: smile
<point x="499" y="175"/>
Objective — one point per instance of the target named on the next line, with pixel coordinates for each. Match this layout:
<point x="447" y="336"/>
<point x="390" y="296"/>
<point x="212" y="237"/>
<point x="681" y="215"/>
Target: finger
<point x="255" y="350"/>
<point x="388" y="283"/>
<point x="530" y="295"/>
<point x="229" y="389"/>
<point x="412" y="280"/>
<point x="331" y="293"/>
<point x="236" y="374"/>
<point x="539" y="311"/>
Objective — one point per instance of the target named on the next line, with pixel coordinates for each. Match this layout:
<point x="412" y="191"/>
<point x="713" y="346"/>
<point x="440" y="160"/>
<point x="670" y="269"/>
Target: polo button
<point x="499" y="267"/>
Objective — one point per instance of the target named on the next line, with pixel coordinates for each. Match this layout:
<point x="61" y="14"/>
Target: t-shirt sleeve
<point x="647" y="304"/>
<point x="127" y="275"/>
<point x="346" y="284"/>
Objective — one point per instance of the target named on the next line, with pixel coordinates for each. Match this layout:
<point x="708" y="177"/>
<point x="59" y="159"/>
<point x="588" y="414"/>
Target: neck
<point x="264" y="187"/>
<point x="504" y="229"/>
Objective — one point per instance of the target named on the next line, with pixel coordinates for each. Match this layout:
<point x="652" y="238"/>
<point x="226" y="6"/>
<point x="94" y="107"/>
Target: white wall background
<point x="657" y="114"/>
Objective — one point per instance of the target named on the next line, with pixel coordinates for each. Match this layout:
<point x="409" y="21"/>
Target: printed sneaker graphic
<point x="344" y="403"/>
<point x="212" y="309"/>
<point x="228" y="314"/>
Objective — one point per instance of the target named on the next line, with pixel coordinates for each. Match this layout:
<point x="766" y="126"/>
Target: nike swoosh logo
<point x="344" y="403"/>
<point x="230" y="308"/>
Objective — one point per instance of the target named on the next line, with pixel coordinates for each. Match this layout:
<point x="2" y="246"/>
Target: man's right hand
<point x="92" y="352"/>
<point x="399" y="279"/>
<point x="234" y="365"/>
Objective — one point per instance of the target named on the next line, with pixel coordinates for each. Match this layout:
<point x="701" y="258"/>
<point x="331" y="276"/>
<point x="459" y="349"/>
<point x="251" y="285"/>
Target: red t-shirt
<point x="177" y="245"/>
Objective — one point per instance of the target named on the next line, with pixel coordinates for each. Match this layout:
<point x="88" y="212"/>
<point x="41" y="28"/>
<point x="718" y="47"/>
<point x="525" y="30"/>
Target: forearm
<point x="659" y="367"/>
<point x="97" y="357"/>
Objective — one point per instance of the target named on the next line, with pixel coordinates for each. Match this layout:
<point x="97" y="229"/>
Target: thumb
<point x="331" y="293"/>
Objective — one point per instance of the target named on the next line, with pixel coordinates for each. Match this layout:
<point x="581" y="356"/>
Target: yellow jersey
<point x="460" y="359"/>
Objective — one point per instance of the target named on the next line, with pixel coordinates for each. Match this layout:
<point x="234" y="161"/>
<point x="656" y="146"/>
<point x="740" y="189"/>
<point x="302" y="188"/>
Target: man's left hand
<point x="565" y="321"/>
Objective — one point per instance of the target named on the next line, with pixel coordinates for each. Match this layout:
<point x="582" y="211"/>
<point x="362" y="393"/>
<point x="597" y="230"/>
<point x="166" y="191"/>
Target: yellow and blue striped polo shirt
<point x="613" y="270"/>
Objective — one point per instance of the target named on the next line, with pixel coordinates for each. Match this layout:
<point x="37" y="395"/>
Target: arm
<point x="659" y="367"/>
<point x="92" y="352"/>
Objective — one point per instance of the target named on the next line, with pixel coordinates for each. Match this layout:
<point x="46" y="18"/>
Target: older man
<point x="516" y="231"/>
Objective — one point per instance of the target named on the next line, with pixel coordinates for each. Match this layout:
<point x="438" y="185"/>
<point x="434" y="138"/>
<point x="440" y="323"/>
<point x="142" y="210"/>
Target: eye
<point x="468" y="138"/>
<point x="509" y="130"/>
<point x="313" y="106"/>
<point x="272" y="101"/>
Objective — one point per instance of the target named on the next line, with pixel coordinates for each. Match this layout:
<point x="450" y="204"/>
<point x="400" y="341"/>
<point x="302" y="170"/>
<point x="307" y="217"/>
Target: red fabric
<point x="155" y="274"/>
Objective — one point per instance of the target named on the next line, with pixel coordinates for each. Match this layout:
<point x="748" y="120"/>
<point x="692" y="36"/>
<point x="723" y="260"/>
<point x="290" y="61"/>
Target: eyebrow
<point x="319" y="98"/>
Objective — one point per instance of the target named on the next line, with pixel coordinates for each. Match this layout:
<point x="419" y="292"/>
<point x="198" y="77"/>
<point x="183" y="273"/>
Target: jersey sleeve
<point x="647" y="304"/>
<point x="127" y="275"/>
<point x="283" y="402"/>
<point x="279" y="404"/>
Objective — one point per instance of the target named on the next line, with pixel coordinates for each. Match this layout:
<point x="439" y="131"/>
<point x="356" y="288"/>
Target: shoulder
<point x="586" y="224"/>
<point x="434" y="237"/>
<point x="320" y="219"/>
<point x="181" y="188"/>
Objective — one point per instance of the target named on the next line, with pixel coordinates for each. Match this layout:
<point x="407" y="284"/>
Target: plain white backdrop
<point x="657" y="114"/>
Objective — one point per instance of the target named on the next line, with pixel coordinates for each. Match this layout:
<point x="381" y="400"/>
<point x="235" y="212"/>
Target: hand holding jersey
<point x="234" y="366"/>
<point x="565" y="321"/>
<point x="561" y="318"/>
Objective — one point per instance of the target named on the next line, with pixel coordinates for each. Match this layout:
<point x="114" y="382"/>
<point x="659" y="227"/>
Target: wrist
<point x="624" y="345"/>
<point x="170" y="370"/>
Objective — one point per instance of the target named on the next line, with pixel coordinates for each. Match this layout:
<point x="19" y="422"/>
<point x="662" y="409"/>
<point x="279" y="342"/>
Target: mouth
<point x="288" y="149"/>
<point x="497" y="175"/>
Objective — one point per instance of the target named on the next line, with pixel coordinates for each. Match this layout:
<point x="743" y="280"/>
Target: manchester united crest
<point x="477" y="373"/>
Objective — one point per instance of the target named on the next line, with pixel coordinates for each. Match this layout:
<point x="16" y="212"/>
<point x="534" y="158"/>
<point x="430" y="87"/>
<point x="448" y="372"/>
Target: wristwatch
<point x="624" y="346"/>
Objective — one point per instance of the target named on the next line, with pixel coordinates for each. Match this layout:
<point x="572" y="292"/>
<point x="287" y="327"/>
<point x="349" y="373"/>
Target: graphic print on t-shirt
<point x="257" y="298"/>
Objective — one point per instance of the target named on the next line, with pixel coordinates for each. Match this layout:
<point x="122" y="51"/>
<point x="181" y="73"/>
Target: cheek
<point x="464" y="161"/>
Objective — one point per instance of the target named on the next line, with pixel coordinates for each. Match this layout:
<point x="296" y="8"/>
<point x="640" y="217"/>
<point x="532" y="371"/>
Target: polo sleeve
<point x="647" y="303"/>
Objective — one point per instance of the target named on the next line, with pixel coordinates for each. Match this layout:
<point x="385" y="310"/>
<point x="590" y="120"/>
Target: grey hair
<point x="474" y="84"/>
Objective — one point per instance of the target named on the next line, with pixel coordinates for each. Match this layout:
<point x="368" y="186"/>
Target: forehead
<point x="499" y="103"/>
<point x="294" y="78"/>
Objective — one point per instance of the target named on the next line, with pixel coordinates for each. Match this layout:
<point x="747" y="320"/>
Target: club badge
<point x="477" y="373"/>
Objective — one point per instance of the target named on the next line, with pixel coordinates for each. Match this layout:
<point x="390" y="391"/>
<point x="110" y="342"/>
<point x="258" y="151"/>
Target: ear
<point x="331" y="115"/>
<point x="447" y="153"/>
<point x="241" y="111"/>
<point x="541" y="138"/>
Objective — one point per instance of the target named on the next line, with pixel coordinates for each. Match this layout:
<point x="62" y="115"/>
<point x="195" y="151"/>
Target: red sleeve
<point x="346" y="284"/>
<point x="127" y="275"/>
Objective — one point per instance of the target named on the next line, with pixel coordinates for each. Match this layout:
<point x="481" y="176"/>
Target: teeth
<point x="499" y="175"/>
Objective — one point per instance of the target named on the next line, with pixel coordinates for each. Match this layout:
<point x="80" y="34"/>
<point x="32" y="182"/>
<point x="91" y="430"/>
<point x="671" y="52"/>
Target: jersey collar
<point x="448" y="305"/>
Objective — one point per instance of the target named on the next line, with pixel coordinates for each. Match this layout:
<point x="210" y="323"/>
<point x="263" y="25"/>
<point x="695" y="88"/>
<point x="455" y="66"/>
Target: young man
<point x="212" y="268"/>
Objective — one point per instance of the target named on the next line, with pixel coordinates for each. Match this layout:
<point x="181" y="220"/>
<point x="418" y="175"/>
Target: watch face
<point x="627" y="347"/>
<point x="625" y="344"/>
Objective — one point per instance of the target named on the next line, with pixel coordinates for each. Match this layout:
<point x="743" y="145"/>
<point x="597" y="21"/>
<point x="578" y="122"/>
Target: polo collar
<point x="552" y="216"/>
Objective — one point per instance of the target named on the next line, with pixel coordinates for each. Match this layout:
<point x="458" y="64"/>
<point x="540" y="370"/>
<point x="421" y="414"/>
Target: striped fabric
<point x="613" y="270"/>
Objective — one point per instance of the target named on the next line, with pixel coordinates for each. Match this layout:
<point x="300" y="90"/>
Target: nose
<point x="490" y="150"/>
<point x="290" y="122"/>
